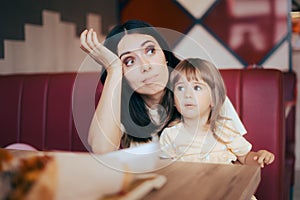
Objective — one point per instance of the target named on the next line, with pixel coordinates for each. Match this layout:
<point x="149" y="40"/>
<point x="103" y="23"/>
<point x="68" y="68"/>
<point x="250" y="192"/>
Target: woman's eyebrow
<point x="127" y="52"/>
<point x="143" y="44"/>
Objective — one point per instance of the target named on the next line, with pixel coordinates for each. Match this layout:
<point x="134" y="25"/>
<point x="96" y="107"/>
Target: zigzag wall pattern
<point x="15" y="14"/>
<point x="185" y="16"/>
<point x="235" y="34"/>
<point x="53" y="47"/>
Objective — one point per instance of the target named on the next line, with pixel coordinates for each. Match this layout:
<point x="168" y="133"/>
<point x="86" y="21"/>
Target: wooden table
<point x="207" y="181"/>
<point x="200" y="180"/>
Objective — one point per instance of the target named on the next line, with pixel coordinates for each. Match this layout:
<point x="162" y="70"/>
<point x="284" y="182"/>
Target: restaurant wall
<point x="43" y="35"/>
<point x="233" y="34"/>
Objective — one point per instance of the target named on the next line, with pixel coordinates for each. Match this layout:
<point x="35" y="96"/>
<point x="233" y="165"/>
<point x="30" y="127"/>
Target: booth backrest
<point x="48" y="111"/>
<point x="290" y="99"/>
<point x="257" y="96"/>
<point x="53" y="112"/>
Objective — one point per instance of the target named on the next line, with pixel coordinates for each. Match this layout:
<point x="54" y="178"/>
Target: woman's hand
<point x="102" y="55"/>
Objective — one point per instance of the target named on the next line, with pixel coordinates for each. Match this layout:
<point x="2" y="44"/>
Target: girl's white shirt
<point x="226" y="111"/>
<point x="223" y="147"/>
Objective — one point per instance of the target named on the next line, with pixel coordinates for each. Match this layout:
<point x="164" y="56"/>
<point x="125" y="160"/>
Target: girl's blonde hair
<point x="197" y="69"/>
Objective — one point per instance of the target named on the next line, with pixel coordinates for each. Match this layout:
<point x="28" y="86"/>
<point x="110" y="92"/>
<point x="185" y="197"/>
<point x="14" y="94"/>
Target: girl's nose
<point x="188" y="92"/>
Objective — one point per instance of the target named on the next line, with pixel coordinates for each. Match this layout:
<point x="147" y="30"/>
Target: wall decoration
<point x="235" y="33"/>
<point x="43" y="36"/>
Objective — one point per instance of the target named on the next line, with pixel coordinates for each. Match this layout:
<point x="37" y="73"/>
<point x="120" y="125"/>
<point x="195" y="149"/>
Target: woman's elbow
<point x="100" y="147"/>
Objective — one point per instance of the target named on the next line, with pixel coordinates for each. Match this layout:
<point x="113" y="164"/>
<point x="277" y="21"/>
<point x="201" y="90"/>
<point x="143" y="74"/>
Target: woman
<point x="135" y="104"/>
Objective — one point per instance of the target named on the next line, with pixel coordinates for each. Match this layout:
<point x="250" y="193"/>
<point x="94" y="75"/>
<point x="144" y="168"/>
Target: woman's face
<point x="144" y="64"/>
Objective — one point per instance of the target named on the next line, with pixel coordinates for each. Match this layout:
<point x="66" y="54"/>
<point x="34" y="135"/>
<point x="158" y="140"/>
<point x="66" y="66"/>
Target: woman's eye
<point x="150" y="50"/>
<point x="197" y="88"/>
<point x="128" y="62"/>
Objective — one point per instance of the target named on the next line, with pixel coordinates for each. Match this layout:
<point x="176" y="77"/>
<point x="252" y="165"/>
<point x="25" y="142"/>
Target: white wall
<point x="51" y="47"/>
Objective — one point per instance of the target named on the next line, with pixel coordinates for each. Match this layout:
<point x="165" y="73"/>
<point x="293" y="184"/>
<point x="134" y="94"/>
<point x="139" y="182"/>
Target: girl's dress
<point x="223" y="146"/>
<point x="227" y="110"/>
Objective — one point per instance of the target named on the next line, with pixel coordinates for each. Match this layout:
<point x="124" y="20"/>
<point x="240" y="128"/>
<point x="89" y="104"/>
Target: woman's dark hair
<point x="134" y="114"/>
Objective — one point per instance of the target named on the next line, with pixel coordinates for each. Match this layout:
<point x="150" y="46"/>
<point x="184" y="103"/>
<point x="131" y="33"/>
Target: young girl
<point x="202" y="134"/>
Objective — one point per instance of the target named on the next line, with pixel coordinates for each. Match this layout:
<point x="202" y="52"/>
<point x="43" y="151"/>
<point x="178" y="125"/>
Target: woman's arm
<point x="105" y="129"/>
<point x="260" y="157"/>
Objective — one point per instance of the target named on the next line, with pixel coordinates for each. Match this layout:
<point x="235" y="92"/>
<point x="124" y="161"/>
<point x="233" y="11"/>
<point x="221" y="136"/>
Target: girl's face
<point x="192" y="98"/>
<point x="144" y="64"/>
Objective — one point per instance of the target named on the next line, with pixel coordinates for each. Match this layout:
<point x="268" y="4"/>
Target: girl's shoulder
<point x="226" y="131"/>
<point x="174" y="126"/>
<point x="170" y="133"/>
<point x="171" y="130"/>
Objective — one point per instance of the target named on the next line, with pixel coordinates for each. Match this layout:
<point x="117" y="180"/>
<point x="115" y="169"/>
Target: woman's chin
<point x="151" y="89"/>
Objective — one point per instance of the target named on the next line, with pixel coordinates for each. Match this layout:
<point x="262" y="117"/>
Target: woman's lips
<point x="151" y="79"/>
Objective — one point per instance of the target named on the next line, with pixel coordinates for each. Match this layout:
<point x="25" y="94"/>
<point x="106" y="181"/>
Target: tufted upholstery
<point x="257" y="95"/>
<point x="290" y="98"/>
<point x="49" y="110"/>
<point x="37" y="109"/>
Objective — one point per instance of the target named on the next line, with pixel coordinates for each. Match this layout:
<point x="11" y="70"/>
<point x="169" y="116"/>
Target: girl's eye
<point x="197" y="88"/>
<point x="128" y="61"/>
<point x="180" y="88"/>
<point x="150" y="50"/>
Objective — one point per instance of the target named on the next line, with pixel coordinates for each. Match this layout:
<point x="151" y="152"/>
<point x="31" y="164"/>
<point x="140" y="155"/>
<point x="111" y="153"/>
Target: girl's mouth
<point x="189" y="105"/>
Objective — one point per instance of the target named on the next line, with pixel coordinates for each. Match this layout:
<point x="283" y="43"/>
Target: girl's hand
<point x="263" y="157"/>
<point x="102" y="55"/>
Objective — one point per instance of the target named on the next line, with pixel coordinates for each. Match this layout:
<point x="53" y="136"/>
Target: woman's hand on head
<point x="102" y="55"/>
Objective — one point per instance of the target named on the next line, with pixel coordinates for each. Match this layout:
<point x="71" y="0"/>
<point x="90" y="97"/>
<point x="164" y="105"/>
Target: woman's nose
<point x="145" y="64"/>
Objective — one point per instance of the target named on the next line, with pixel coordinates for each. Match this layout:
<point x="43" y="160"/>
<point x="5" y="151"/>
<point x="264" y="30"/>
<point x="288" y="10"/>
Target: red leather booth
<point x="290" y="99"/>
<point x="53" y="112"/>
